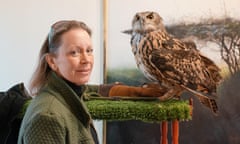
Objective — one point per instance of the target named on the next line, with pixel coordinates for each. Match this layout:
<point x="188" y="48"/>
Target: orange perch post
<point x="175" y="131"/>
<point x="164" y="132"/>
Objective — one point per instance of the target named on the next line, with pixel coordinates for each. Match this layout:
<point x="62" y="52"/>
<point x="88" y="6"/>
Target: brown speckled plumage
<point x="174" y="63"/>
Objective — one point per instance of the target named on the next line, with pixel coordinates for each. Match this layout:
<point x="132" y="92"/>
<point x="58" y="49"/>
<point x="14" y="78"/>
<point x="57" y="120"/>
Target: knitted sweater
<point x="56" y="116"/>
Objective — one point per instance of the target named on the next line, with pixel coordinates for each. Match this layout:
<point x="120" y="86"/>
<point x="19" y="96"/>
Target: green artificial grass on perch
<point x="147" y="111"/>
<point x="152" y="111"/>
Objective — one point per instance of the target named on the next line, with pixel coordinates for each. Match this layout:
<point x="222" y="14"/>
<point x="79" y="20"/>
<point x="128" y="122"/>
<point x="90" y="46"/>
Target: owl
<point x="173" y="63"/>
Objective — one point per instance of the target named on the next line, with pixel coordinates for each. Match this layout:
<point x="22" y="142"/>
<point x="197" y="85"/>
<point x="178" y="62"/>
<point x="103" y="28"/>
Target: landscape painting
<point x="214" y="27"/>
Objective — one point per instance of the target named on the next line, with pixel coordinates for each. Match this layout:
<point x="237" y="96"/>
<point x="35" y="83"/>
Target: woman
<point x="57" y="114"/>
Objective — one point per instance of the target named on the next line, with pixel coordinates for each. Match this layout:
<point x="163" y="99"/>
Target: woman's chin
<point x="82" y="81"/>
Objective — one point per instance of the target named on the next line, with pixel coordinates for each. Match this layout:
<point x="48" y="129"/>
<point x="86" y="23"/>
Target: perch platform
<point x="151" y="111"/>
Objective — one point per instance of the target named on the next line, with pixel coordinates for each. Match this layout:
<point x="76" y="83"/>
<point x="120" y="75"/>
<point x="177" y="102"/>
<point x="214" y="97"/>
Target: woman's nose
<point x="84" y="57"/>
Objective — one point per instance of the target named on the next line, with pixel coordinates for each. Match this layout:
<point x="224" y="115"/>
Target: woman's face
<point x="74" y="58"/>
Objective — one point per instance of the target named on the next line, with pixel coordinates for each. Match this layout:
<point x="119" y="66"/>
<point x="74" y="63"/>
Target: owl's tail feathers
<point x="207" y="101"/>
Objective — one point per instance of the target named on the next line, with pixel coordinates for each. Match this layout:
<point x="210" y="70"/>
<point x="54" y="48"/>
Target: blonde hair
<point x="50" y="46"/>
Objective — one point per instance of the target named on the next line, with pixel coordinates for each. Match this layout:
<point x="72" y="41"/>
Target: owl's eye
<point x="150" y="16"/>
<point x="137" y="17"/>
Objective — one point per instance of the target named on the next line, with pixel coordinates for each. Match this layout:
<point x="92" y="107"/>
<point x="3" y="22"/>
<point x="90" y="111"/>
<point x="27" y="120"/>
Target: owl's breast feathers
<point x="162" y="57"/>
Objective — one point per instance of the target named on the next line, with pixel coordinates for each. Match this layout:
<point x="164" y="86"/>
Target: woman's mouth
<point x="84" y="71"/>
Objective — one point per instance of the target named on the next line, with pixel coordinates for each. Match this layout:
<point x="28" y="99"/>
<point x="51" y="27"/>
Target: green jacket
<point x="57" y="116"/>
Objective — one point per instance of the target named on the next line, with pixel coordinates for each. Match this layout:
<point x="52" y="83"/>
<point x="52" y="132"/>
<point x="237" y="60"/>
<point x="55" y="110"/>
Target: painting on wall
<point x="214" y="28"/>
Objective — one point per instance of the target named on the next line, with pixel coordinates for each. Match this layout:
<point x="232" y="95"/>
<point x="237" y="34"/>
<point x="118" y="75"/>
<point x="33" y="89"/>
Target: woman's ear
<point x="50" y="60"/>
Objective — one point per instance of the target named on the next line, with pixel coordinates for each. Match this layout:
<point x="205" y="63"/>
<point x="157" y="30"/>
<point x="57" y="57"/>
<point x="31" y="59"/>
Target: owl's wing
<point x="213" y="69"/>
<point x="186" y="67"/>
<point x="183" y="66"/>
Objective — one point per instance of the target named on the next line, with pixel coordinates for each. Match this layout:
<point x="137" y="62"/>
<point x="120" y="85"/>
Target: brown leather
<point x="124" y="90"/>
<point x="105" y="88"/>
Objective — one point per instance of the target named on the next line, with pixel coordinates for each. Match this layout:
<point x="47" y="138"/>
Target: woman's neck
<point x="76" y="88"/>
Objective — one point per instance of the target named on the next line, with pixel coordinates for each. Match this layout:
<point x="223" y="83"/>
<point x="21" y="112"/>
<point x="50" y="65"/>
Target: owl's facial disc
<point x="146" y="22"/>
<point x="143" y="27"/>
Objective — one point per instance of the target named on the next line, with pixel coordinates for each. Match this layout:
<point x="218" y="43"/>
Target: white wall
<point x="23" y="27"/>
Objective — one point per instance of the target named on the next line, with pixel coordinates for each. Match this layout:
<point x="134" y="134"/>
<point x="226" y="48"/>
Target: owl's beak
<point x="128" y="31"/>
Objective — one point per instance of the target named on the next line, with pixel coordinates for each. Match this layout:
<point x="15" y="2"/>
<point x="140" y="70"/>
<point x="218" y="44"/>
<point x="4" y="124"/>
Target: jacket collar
<point x="68" y="96"/>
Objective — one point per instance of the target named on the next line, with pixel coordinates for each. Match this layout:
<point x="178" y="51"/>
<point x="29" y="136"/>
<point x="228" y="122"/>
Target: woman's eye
<point x="89" y="51"/>
<point x="74" y="53"/>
